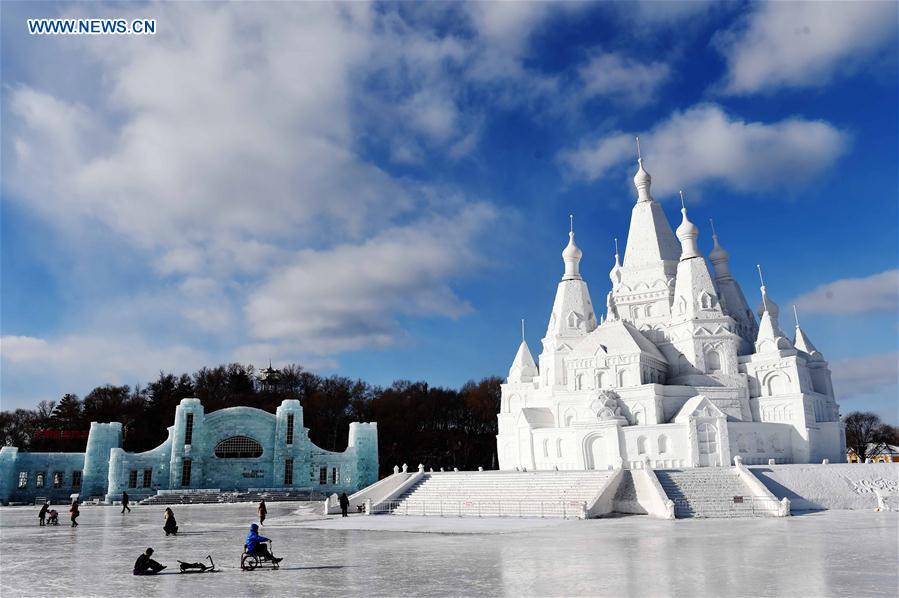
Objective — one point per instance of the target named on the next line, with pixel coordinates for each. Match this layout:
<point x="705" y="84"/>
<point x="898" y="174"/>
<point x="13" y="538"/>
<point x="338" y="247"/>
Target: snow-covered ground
<point x="835" y="553"/>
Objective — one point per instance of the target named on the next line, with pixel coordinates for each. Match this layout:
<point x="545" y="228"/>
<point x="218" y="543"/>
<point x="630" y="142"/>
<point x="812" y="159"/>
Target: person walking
<point x="263" y="511"/>
<point x="344" y="501"/>
<point x="170" y="526"/>
<point x="125" y="502"/>
<point x="144" y="565"/>
<point x="42" y="514"/>
<point x="74" y="512"/>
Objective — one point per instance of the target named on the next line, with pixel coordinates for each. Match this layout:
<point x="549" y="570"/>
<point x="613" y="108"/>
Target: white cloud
<point x="235" y="144"/>
<point x="611" y="74"/>
<point x="865" y="375"/>
<point x="803" y="44"/>
<point x="348" y="297"/>
<point x="704" y="144"/>
<point x="874" y="293"/>
<point x="38" y="368"/>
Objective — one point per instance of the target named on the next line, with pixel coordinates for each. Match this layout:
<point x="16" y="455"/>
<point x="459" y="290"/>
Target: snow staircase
<point x="711" y="492"/>
<point x="568" y="494"/>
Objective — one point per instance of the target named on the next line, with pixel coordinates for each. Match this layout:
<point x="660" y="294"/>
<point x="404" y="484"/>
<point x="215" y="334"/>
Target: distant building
<point x="678" y="371"/>
<point x="239" y="448"/>
<point x="878" y="452"/>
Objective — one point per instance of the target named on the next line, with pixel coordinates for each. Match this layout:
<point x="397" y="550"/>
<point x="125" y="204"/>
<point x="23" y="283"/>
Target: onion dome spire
<point x="615" y="272"/>
<point x="687" y="232"/>
<point x="572" y="255"/>
<point x="642" y="180"/>
<point x="718" y="256"/>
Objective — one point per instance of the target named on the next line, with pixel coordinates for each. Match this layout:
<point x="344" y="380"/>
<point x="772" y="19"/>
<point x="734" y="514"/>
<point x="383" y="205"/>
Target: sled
<point x="198" y="567"/>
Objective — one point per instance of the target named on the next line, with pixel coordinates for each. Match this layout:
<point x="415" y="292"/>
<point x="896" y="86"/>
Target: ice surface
<point x="835" y="553"/>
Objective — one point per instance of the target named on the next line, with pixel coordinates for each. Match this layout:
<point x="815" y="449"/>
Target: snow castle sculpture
<point x="677" y="371"/>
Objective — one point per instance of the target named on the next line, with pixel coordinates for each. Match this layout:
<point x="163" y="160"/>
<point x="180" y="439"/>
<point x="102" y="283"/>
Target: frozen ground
<point x="835" y="553"/>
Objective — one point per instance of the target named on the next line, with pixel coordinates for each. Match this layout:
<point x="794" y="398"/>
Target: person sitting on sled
<point x="255" y="545"/>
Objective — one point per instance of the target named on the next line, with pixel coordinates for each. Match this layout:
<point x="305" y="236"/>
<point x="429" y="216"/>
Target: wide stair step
<point x="501" y="494"/>
<point x="711" y="492"/>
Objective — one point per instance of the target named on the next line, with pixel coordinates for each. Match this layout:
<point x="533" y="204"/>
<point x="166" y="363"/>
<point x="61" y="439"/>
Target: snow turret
<point x="770" y="336"/>
<point x="572" y="315"/>
<point x="718" y="256"/>
<point x="733" y="301"/>
<point x="523" y="367"/>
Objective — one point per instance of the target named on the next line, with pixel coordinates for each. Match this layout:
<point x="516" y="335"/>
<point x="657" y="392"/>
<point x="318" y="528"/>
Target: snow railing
<point x="566" y="509"/>
<point x="602" y="502"/>
<point x="760" y="492"/>
<point x="650" y="493"/>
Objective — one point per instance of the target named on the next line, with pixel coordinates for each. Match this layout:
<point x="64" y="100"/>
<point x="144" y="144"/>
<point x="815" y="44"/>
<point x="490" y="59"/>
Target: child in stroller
<point x="52" y="517"/>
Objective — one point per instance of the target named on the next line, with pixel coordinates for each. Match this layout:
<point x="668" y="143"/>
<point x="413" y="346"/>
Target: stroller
<point x="52" y="517"/>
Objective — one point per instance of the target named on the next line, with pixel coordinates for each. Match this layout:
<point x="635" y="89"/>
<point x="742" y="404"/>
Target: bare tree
<point x="864" y="431"/>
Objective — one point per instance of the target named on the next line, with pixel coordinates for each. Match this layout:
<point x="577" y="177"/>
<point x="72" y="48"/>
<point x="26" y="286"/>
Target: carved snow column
<point x="100" y="441"/>
<point x="289" y="444"/>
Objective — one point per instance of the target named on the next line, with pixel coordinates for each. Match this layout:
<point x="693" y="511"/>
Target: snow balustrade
<point x="762" y="498"/>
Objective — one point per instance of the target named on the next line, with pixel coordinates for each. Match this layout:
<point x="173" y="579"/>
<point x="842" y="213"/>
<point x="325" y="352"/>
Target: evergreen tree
<point x="67" y="415"/>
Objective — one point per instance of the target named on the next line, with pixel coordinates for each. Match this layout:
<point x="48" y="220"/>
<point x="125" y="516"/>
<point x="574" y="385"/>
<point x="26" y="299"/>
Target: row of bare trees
<point x="417" y="423"/>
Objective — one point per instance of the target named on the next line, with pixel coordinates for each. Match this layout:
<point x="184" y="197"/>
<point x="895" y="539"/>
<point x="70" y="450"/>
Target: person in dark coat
<point x="125" y="502"/>
<point x="344" y="501"/>
<point x="144" y="565"/>
<point x="255" y="544"/>
<point x="74" y="513"/>
<point x="42" y="514"/>
<point x="263" y="511"/>
<point x="170" y="526"/>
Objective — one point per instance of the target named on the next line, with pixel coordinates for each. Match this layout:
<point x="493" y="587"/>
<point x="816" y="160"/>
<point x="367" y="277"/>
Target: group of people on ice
<point x="254" y="545"/>
<point x="48" y="516"/>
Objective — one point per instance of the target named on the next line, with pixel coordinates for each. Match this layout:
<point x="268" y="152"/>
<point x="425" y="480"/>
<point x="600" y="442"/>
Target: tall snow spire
<point x="642" y="180"/>
<point x="768" y="304"/>
<point x="802" y="342"/>
<point x="687" y="232"/>
<point x="572" y="255"/>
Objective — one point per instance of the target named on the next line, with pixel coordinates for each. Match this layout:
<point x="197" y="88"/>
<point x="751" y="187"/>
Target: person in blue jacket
<point x="254" y="545"/>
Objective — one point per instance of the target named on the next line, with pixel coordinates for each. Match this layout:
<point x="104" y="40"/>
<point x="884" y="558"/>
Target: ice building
<point x="233" y="449"/>
<point x="677" y="371"/>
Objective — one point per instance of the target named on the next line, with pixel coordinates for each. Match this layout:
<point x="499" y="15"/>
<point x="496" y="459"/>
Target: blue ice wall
<point x="108" y="470"/>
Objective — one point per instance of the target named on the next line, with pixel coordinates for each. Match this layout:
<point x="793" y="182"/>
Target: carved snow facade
<point x="678" y="372"/>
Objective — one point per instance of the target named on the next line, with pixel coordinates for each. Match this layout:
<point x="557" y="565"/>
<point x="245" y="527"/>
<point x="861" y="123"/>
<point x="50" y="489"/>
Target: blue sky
<point x="382" y="190"/>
